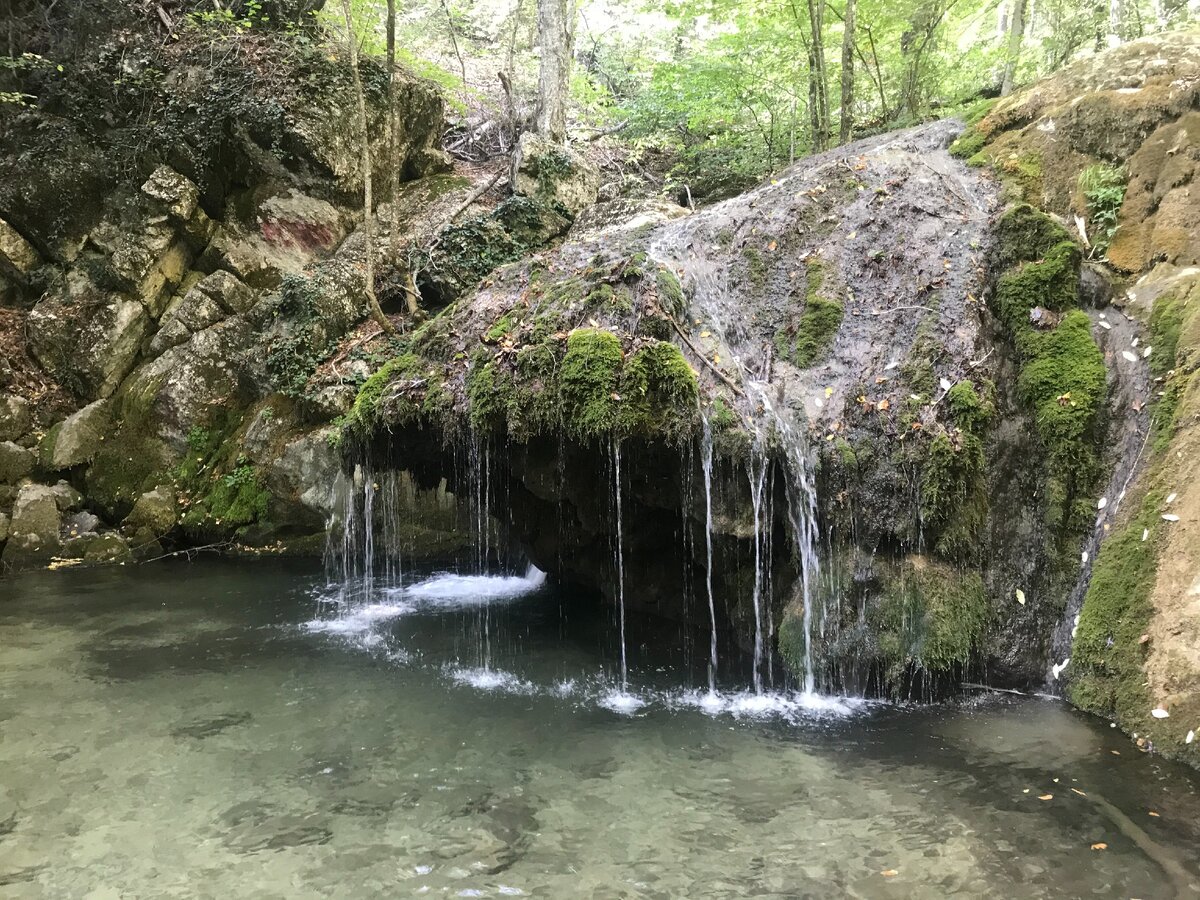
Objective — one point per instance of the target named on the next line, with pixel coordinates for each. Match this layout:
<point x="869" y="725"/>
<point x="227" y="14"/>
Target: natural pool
<point x="215" y="730"/>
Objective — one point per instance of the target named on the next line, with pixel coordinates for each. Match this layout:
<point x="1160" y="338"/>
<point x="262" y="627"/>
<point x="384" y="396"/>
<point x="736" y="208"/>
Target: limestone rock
<point x="109" y="547"/>
<point x="195" y="311"/>
<point x="554" y="175"/>
<point x="227" y="291"/>
<point x="67" y="498"/>
<point x="33" y="531"/>
<point x="15" y="418"/>
<point x="80" y="523"/>
<point x="15" y="462"/>
<point x="86" y="337"/>
<point x="15" y="251"/>
<point x="626" y="215"/>
<point x="77" y="438"/>
<point x="155" y="513"/>
<point x="177" y="194"/>
<point x="302" y="479"/>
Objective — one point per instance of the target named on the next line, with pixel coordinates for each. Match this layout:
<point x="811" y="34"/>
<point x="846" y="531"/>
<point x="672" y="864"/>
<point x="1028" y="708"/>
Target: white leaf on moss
<point x="1160" y="713"/>
<point x="1131" y="357"/>
<point x="1020" y="596"/>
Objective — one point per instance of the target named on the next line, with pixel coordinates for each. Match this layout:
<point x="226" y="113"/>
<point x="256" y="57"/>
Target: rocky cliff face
<point x="1128" y="120"/>
<point x="917" y="411"/>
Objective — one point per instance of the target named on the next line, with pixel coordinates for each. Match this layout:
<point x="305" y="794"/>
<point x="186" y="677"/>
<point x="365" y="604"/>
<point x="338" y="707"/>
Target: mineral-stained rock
<point x="554" y="175"/>
<point x="15" y="418"/>
<point x="77" y="438"/>
<point x="3" y="528"/>
<point x="15" y="462"/>
<point x="86" y="337"/>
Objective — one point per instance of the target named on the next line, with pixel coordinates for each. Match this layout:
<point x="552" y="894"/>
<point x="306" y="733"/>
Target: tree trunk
<point x="394" y="165"/>
<point x="1015" y="33"/>
<point x="847" y="123"/>
<point x="368" y="201"/>
<point x="818" y="97"/>
<point x="556" y="38"/>
<point x="1116" y="23"/>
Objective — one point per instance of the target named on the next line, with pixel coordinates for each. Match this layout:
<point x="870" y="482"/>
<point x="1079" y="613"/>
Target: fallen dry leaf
<point x="1156" y="815"/>
<point x="883" y="405"/>
<point x="1079" y="792"/>
<point x="1100" y="846"/>
<point x="1020" y="596"/>
<point x="889" y="873"/>
<point x="1046" y="797"/>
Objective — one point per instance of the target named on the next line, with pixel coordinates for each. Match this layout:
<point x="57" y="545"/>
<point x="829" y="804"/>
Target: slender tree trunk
<point x="1116" y="22"/>
<point x="818" y="97"/>
<point x="847" y="122"/>
<point x="1015" y="33"/>
<point x="556" y="33"/>
<point x="394" y="165"/>
<point x="368" y="200"/>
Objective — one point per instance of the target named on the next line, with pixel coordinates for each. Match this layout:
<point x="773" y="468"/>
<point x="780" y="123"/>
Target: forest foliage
<point x="717" y="93"/>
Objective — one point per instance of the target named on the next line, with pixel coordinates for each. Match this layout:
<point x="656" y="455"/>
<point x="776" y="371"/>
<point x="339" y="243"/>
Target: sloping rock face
<point x="871" y="325"/>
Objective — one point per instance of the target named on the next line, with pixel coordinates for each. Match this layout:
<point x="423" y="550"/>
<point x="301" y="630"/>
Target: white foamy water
<point x="622" y="701"/>
<point x="442" y="592"/>
<point x="360" y="619"/>
<point x="491" y="680"/>
<point x="451" y="591"/>
<point x="791" y="706"/>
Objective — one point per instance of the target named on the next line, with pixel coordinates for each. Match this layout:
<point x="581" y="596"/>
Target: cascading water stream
<point x="757" y="472"/>
<point x="620" y="558"/>
<point x="713" y="301"/>
<point x="707" y="467"/>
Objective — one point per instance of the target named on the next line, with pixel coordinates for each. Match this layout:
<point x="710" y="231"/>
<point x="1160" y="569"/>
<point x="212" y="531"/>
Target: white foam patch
<point x="790" y="706"/>
<point x="441" y="592"/>
<point x="360" y="619"/>
<point x="491" y="680"/>
<point x="622" y="702"/>
<point x="450" y="591"/>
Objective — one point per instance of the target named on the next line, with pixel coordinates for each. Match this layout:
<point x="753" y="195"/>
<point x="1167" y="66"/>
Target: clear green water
<point x="180" y="731"/>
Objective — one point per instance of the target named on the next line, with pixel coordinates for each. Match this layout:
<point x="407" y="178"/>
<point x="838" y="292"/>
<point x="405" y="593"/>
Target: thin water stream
<point x="241" y="729"/>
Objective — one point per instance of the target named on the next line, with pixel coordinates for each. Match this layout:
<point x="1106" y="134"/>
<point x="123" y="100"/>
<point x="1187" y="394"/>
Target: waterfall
<point x="620" y="556"/>
<point x="757" y="472"/>
<point x="707" y="466"/>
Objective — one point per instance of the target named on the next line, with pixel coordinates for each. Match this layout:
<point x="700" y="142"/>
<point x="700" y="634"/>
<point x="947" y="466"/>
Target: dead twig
<point x="729" y="382"/>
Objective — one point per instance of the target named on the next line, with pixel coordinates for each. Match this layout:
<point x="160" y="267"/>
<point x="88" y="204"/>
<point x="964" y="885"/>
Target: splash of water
<point x="757" y="472"/>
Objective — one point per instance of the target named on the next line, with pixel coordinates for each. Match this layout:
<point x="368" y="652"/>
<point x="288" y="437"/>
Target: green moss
<point x="1064" y="382"/>
<point x="659" y="392"/>
<point x="722" y="417"/>
<point x="756" y="266"/>
<point x="501" y="329"/>
<point x="1025" y="234"/>
<point x="968" y="144"/>
<point x="1051" y="283"/>
<point x="930" y="617"/>
<point x="1062" y="378"/>
<point x="589" y="378"/>
<point x="814" y="332"/>
<point x="1108" y="657"/>
<point x="670" y="292"/>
